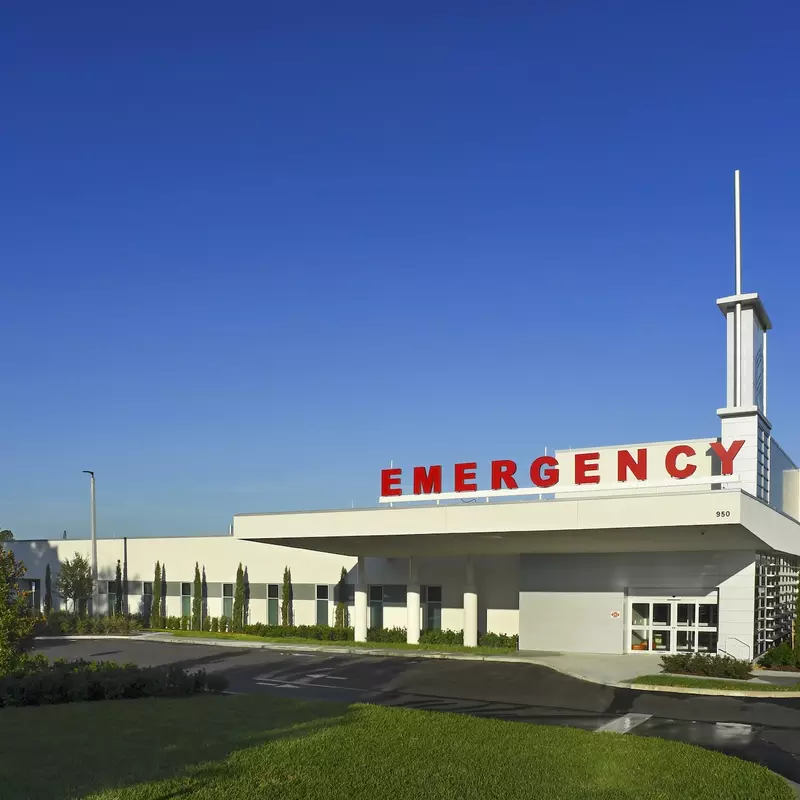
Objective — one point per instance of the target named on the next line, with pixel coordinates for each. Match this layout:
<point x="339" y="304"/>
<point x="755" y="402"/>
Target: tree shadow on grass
<point x="110" y="745"/>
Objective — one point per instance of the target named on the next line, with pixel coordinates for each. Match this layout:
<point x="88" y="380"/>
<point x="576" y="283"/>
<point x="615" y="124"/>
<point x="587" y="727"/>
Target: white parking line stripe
<point x="623" y="724"/>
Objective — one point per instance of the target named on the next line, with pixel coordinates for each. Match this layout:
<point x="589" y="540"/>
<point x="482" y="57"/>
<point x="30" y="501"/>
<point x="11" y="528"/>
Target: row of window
<point x="430" y="597"/>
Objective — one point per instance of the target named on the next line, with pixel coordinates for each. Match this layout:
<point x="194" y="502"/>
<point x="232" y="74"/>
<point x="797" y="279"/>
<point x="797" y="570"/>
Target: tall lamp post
<point x="94" y="544"/>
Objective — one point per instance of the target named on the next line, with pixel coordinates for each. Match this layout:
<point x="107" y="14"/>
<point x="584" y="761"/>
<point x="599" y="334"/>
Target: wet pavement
<point x="764" y="730"/>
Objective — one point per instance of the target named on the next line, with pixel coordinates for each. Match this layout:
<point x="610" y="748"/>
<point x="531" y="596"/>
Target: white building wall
<point x="497" y="579"/>
<point x="496" y="576"/>
<point x="220" y="555"/>
<point x="568" y="601"/>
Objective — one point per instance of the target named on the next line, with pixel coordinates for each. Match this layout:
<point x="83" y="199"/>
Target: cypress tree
<point x="48" y="591"/>
<point x="238" y="602"/>
<point x="287" y="615"/>
<point x="118" y="590"/>
<point x="155" y="603"/>
<point x="341" y="620"/>
<point x="204" y="591"/>
<point x="197" y="600"/>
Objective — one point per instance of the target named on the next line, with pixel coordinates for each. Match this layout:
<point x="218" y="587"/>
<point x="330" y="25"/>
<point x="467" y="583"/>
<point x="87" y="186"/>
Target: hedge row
<point x="713" y="666"/>
<point x="60" y="622"/>
<point x="37" y="682"/>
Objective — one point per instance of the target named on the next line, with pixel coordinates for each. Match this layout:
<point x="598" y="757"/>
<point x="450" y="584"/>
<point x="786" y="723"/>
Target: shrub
<point x="186" y="623"/>
<point x="386" y="635"/>
<point x="223" y="624"/>
<point x="215" y="624"/>
<point x="320" y="632"/>
<point x="38" y="682"/>
<point x="206" y="623"/>
<point x="713" y="666"/>
<point x="499" y="640"/>
<point x="57" y="623"/>
<point x="441" y="637"/>
<point x="781" y="656"/>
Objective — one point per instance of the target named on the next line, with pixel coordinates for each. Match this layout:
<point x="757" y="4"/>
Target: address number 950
<point x="723" y="513"/>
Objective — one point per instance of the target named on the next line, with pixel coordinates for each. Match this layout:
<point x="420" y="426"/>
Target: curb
<point x="643" y="687"/>
<point x="363" y="651"/>
<point x="87" y="637"/>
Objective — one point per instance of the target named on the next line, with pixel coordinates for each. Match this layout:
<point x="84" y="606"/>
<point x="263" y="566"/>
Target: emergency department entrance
<point x="673" y="624"/>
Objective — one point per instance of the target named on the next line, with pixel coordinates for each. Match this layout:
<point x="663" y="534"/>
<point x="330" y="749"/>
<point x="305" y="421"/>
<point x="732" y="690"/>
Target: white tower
<point x="745" y="412"/>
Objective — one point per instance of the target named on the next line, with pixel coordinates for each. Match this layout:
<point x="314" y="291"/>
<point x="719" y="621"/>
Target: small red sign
<point x="615" y="614"/>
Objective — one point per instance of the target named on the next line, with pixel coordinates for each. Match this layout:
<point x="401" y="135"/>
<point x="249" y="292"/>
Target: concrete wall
<point x="496" y="576"/>
<point x="568" y="601"/>
<point x="220" y="555"/>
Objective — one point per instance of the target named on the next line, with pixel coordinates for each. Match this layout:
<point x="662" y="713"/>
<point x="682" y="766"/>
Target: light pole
<point x="94" y="544"/>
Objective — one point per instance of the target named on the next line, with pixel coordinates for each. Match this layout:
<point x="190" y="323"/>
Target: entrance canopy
<point x="723" y="519"/>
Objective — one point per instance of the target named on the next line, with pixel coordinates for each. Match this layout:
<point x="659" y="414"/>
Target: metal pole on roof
<point x="738" y="235"/>
<point x="95" y="599"/>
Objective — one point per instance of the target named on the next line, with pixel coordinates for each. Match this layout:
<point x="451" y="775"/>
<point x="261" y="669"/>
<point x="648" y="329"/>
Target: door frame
<point x="671" y="627"/>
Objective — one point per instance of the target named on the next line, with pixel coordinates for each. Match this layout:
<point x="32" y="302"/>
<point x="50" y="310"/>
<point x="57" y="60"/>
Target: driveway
<point x="763" y="730"/>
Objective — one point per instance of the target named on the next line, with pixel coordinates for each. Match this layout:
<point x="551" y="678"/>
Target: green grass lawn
<point x="439" y="648"/>
<point x="691" y="682"/>
<point x="257" y="746"/>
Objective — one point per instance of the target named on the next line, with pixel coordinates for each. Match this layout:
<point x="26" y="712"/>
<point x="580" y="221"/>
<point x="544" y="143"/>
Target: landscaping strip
<point x="346" y="643"/>
<point x="713" y="686"/>
<point x="262" y="746"/>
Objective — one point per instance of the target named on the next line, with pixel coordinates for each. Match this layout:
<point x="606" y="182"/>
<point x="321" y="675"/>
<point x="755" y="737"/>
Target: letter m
<point x="428" y="480"/>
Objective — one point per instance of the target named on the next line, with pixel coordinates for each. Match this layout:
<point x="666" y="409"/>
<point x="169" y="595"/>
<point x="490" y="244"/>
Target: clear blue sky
<point x="252" y="252"/>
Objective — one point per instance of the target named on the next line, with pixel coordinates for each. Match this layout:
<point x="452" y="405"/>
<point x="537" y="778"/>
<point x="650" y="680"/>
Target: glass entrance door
<point x="673" y="625"/>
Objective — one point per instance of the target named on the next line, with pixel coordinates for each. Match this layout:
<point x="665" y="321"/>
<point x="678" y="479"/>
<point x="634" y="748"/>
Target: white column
<point x="470" y="606"/>
<point x="412" y="602"/>
<point x="361" y="602"/>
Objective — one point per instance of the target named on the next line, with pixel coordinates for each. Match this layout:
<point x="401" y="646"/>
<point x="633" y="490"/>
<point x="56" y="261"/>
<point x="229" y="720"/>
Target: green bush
<point x="387" y="635"/>
<point x="214" y="624"/>
<point x="320" y="632"/>
<point x="223" y="624"/>
<point x="713" y="666"/>
<point x="40" y="683"/>
<point x="441" y="637"/>
<point x="499" y="640"/>
<point x="186" y="623"/>
<point x="206" y="623"/>
<point x="781" y="656"/>
<point x="58" y="623"/>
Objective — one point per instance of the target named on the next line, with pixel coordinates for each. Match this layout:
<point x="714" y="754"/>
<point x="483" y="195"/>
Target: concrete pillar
<point x="412" y="602"/>
<point x="470" y="606"/>
<point x="361" y="602"/>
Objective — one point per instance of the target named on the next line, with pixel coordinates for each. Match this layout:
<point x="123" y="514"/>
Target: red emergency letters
<point x="544" y="471"/>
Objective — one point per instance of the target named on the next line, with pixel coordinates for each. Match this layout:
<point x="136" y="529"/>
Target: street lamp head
<point x="88" y="472"/>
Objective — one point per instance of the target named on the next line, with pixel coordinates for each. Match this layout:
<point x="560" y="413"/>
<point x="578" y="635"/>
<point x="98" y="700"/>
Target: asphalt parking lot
<point x="766" y="730"/>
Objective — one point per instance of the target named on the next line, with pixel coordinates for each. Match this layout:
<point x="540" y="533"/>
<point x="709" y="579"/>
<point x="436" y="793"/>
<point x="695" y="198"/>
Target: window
<point x="227" y="600"/>
<point x="376" y="606"/>
<point x="432" y="600"/>
<point x="112" y="587"/>
<point x="322" y="605"/>
<point x="148" y="587"/>
<point x="186" y="599"/>
<point x="34" y="598"/>
<point x="134" y="587"/>
<point x="272" y="604"/>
